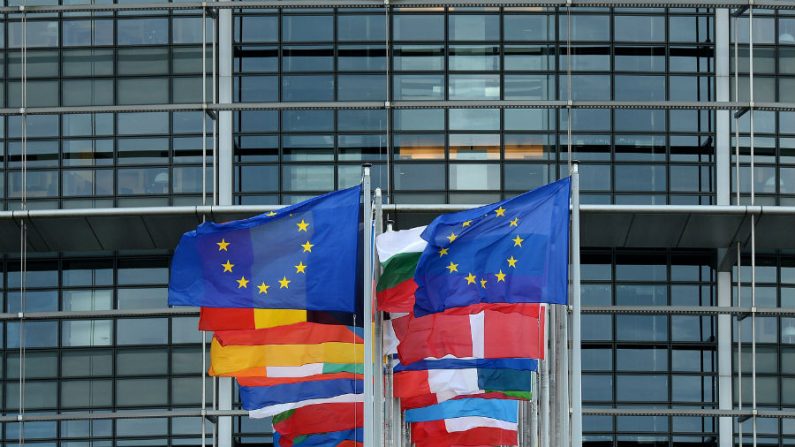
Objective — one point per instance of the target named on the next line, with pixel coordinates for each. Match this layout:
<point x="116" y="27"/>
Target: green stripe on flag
<point x="282" y="416"/>
<point x="397" y="269"/>
<point x="524" y="395"/>
<point x="354" y="368"/>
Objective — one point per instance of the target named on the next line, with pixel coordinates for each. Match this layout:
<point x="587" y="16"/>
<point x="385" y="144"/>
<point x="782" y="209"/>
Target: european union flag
<point x="301" y="257"/>
<point x="514" y="251"/>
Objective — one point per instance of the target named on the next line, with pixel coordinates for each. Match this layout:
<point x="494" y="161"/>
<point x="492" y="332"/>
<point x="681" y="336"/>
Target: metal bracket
<point x="740" y="11"/>
<point x="739" y="114"/>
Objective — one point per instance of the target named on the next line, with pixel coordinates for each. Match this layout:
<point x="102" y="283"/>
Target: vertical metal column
<point x="723" y="194"/>
<point x="545" y="410"/>
<point x="378" y="420"/>
<point x="369" y="413"/>
<point x="576" y="336"/>
<point x="224" y="157"/>
<point x="753" y="221"/>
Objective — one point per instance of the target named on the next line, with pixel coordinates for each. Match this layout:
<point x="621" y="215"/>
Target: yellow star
<point x="515" y="222"/>
<point x="222" y="245"/>
<point x="302" y="226"/>
<point x="442" y="252"/>
<point x="228" y="266"/>
<point x="452" y="267"/>
<point x="242" y="283"/>
<point x="512" y="262"/>
<point x="470" y="279"/>
<point x="500" y="212"/>
<point x="300" y="268"/>
<point x="517" y="241"/>
<point x="263" y="288"/>
<point x="483" y="283"/>
<point x="500" y="276"/>
<point x="467" y="223"/>
<point x="284" y="283"/>
<point x="270" y="214"/>
<point x="452" y="237"/>
<point x="308" y="247"/>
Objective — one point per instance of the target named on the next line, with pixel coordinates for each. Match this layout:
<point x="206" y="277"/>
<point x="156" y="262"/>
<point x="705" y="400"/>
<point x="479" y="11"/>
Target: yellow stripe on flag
<point x="227" y="360"/>
<point x="266" y="318"/>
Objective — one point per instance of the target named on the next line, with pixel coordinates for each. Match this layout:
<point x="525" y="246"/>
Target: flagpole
<point x="378" y="421"/>
<point x="369" y="413"/>
<point x="576" y="334"/>
<point x="545" y="412"/>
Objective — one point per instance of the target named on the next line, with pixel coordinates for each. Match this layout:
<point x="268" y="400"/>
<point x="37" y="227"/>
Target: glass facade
<point x="433" y="98"/>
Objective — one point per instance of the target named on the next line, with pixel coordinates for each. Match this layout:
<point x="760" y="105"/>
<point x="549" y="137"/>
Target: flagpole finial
<point x="575" y="167"/>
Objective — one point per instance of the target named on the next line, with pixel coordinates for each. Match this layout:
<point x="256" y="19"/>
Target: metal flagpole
<point x="369" y="435"/>
<point x="378" y="419"/>
<point x="544" y="388"/>
<point x="576" y="336"/>
<point x="562" y="373"/>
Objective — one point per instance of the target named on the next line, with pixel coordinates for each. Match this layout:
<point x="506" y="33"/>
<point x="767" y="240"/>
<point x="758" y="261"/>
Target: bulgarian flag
<point x="298" y="372"/>
<point x="398" y="252"/>
<point x="231" y="359"/>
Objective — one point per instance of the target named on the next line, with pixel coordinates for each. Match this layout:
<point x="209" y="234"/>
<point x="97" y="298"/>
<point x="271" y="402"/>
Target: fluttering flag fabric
<point x="271" y="400"/>
<point x="482" y="335"/>
<point x="299" y="333"/>
<point x="517" y="364"/>
<point x="336" y="438"/>
<point x="301" y="257"/>
<point x="465" y="431"/>
<point x="427" y="400"/>
<point x="228" y="360"/>
<point x="448" y="383"/>
<point x="513" y="251"/>
<point x="308" y="370"/>
<point x="398" y="252"/>
<point x="504" y="410"/>
<point x="228" y="319"/>
<point x="321" y="418"/>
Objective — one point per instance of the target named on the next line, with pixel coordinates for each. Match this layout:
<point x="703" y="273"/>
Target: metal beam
<point x="333" y="105"/>
<point x="179" y="413"/>
<point x="260" y="4"/>
<point x="194" y="312"/>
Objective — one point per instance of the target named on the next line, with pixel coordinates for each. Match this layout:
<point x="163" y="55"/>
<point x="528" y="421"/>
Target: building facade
<point x="112" y="106"/>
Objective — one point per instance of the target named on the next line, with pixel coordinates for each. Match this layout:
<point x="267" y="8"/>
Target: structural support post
<point x="723" y="196"/>
<point x="576" y="346"/>
<point x="545" y="410"/>
<point x="378" y="377"/>
<point x="369" y="413"/>
<point x="224" y="158"/>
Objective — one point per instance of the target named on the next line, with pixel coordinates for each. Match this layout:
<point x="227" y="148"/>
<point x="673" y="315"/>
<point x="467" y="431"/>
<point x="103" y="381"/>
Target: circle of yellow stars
<point x="262" y="287"/>
<point x="471" y="278"/>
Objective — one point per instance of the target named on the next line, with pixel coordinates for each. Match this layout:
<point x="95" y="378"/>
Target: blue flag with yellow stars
<point x="513" y="251"/>
<point x="300" y="257"/>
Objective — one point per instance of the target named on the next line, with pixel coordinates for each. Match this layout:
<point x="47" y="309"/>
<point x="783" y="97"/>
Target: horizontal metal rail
<point x="777" y="414"/>
<point x="192" y="312"/>
<point x="208" y="210"/>
<point x="178" y="413"/>
<point x="375" y="105"/>
<point x="260" y="4"/>
<point x="690" y="310"/>
<point x="122" y="414"/>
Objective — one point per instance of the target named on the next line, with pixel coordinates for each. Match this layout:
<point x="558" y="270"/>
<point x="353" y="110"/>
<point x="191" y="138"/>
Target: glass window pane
<point x="151" y="331"/>
<point x="306" y="28"/>
<point x="473" y="27"/>
<point x="137" y="392"/>
<point x="150" y="31"/>
<point x="418" y="27"/>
